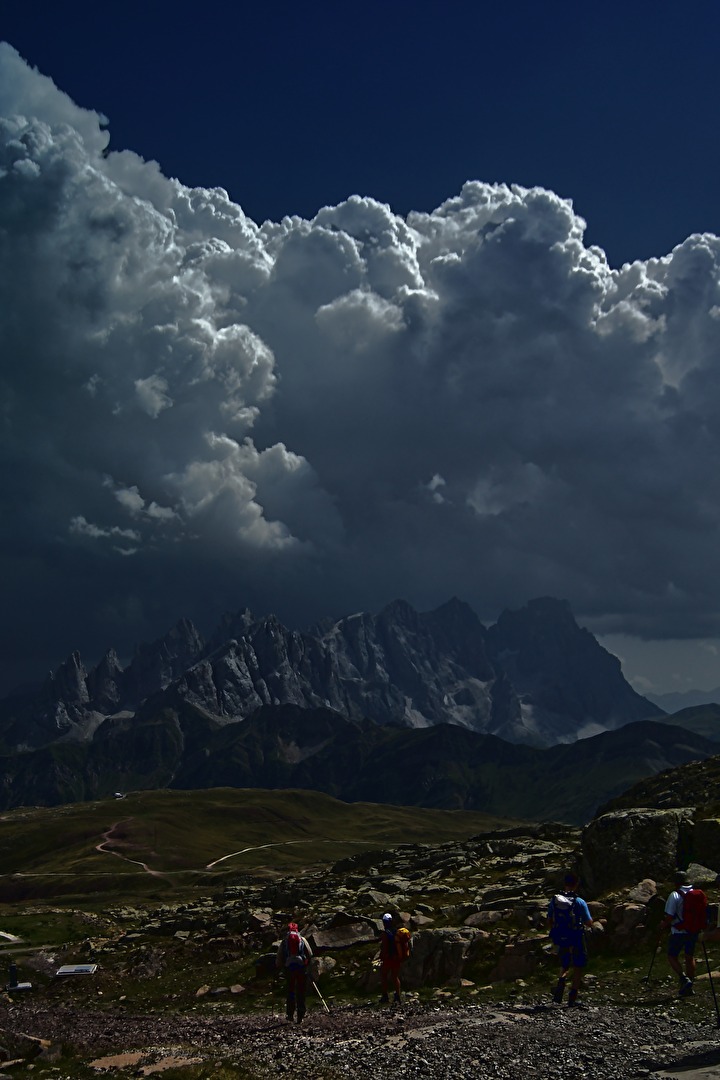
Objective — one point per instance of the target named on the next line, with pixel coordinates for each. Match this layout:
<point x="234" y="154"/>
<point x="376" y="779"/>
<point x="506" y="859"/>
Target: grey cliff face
<point x="154" y="666"/>
<point x="397" y="667"/>
<point x="566" y="682"/>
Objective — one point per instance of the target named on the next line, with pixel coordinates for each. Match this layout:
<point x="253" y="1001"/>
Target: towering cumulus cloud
<point x="313" y="416"/>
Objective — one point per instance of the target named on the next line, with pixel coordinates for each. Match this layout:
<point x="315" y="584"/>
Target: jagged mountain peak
<point x="67" y="682"/>
<point x="233" y="624"/>
<point x="546" y="620"/>
<point x="567" y="682"/>
<point x="398" y="609"/>
<point x="156" y="664"/>
<point x="455" y="608"/>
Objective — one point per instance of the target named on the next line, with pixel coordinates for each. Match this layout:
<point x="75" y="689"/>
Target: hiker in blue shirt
<point x="569" y="915"/>
<point x="685" y="922"/>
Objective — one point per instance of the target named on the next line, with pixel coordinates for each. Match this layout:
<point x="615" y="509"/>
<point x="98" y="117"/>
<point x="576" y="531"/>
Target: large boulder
<point x="342" y="937"/>
<point x="519" y="959"/>
<point x="628" y="845"/>
<point x="706" y="842"/>
<point x="438" y="956"/>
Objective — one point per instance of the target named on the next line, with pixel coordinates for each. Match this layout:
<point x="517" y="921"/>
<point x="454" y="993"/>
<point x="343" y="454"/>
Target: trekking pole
<point x="317" y="991"/>
<point x="712" y="984"/>
<point x="652" y="961"/>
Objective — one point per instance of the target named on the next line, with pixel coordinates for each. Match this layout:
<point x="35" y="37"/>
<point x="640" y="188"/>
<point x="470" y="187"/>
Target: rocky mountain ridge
<point x="534" y="677"/>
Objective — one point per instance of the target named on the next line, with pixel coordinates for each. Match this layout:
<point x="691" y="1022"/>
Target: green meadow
<point x="150" y="843"/>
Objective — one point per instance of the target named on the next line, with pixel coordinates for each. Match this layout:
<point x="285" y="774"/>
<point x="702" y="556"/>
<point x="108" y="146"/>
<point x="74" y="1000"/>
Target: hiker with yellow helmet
<point x="395" y="948"/>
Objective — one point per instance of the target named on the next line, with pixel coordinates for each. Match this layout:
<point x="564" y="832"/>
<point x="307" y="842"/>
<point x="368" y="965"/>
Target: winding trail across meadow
<point x="110" y="838"/>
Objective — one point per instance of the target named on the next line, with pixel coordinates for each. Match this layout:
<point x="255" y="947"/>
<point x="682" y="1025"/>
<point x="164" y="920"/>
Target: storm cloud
<point x="198" y="412"/>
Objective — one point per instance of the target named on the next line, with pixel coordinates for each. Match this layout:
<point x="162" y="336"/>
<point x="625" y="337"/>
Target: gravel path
<point x="437" y="1043"/>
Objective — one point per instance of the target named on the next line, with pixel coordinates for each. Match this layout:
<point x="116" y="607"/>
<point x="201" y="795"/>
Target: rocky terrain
<point x="182" y="986"/>
<point x="698" y="783"/>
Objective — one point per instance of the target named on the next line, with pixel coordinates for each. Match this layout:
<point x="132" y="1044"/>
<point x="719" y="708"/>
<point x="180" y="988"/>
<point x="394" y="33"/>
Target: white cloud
<point x="565" y="412"/>
<point x="26" y="92"/>
<point x="152" y="395"/>
<point x="82" y="527"/>
<point x="131" y="499"/>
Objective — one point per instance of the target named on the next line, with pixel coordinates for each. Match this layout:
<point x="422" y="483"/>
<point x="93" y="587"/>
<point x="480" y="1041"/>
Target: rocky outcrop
<point x="695" y="784"/>
<point x="628" y="845"/>
<point x="439" y="956"/>
<point x="620" y="846"/>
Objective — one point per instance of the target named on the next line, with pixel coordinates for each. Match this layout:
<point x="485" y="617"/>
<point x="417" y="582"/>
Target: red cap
<point x="292" y="926"/>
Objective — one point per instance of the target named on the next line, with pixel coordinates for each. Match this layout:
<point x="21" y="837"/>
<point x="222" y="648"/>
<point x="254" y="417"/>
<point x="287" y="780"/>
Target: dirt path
<point x="258" y="847"/>
<point x="285" y="843"/>
<point x="110" y="838"/>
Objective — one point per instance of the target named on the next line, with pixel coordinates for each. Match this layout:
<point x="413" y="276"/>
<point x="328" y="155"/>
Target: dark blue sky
<point x="291" y="107"/>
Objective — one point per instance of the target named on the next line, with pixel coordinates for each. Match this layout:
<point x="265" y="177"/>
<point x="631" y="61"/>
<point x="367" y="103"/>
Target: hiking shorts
<point x="682" y="942"/>
<point x="573" y="955"/>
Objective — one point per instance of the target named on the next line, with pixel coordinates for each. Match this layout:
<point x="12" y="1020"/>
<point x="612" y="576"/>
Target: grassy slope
<point x="183" y="831"/>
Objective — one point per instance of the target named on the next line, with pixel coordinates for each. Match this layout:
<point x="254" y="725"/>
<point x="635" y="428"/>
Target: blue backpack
<point x="567" y="923"/>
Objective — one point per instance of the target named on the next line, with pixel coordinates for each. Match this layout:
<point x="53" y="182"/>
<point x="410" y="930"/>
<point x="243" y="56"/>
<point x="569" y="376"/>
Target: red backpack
<point x="694" y="911"/>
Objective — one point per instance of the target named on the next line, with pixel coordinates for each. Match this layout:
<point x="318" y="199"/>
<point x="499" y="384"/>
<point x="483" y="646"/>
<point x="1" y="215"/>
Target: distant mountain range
<point x="431" y="709"/>
<point x="686" y="699"/>
<point x="534" y="677"/>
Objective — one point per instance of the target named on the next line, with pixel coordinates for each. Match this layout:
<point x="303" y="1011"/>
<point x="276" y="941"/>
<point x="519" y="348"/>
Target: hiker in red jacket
<point x="393" y="951"/>
<point x="293" y="956"/>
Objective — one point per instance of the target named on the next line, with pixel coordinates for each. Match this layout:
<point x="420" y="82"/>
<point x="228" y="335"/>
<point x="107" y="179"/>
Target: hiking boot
<point x="559" y="991"/>
<point x="396" y="998"/>
<point x="686" y="988"/>
<point x="384" y="999"/>
<point x="573" y="999"/>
